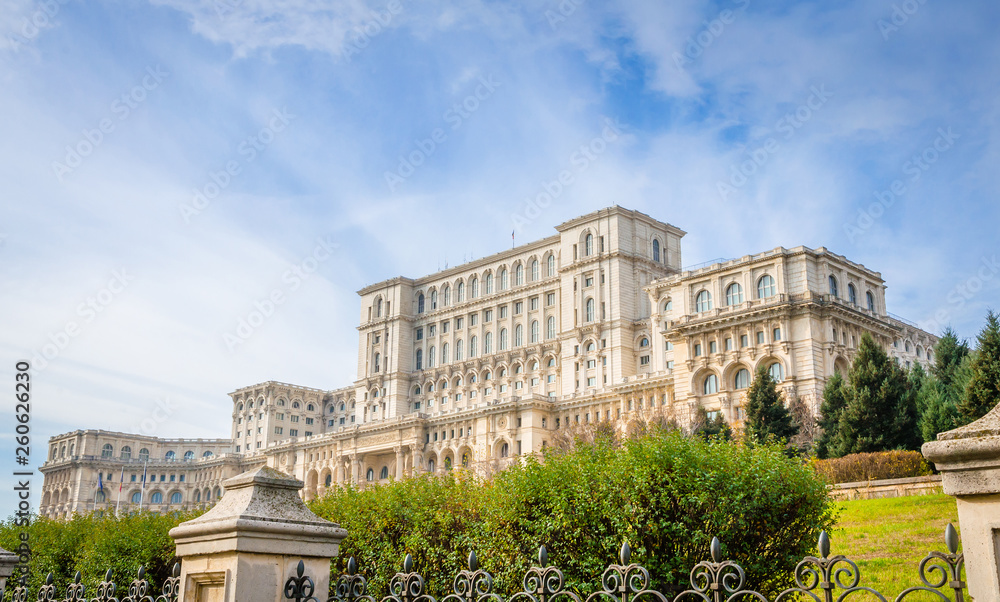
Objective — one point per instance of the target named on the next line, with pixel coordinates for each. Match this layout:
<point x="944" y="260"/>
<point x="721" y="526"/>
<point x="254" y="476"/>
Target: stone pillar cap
<point x="968" y="457"/>
<point x="8" y="560"/>
<point x="260" y="512"/>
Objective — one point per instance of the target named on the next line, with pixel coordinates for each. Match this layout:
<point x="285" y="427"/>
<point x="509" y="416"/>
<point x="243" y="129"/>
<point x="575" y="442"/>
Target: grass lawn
<point x="887" y="538"/>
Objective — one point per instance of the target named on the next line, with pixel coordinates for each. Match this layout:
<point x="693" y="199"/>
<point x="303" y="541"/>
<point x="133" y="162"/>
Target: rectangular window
<point x="550" y="299"/>
<point x="279" y="416"/>
<point x="473" y="319"/>
<point x="237" y="449"/>
<point x="712" y="347"/>
<point x="488" y="317"/>
<point x="172" y="478"/>
<point x="458" y="323"/>
<point x="551" y="378"/>
<point x="589" y="281"/>
<point x="729" y="343"/>
<point x="533" y="303"/>
<point x="341" y="421"/>
<point x="278" y="430"/>
<point x="309" y="420"/>
<point x="309" y="433"/>
<point x="258" y="445"/>
<point x="644" y="360"/>
<point x="534" y="381"/>
<point x="133" y="476"/>
<point x="670" y="365"/>
<point x="776" y="335"/>
<point x="420" y="334"/>
<point x="697" y="349"/>
<point x="378" y="339"/>
<point x="669" y="346"/>
<point x="760" y="337"/>
<point x="444" y="327"/>
<point x="503" y="312"/>
<point x="330" y="422"/>
<point x="518" y="386"/>
<point x="294" y="418"/>
<point x="743" y="340"/>
<point x="503" y="388"/>
<point x="182" y="478"/>
<point x="431" y="330"/>
<point x="592" y="381"/>
<point x="518" y="308"/>
<point x="591" y="364"/>
<point x="293" y="432"/>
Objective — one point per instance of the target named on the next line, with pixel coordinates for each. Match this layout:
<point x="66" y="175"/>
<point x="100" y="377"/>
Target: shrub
<point x="875" y="466"/>
<point x="664" y="493"/>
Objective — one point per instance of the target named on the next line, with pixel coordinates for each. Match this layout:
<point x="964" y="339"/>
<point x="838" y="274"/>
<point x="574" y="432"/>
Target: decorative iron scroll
<point x="300" y="587"/>
<point x="105" y="590"/>
<point x="822" y="578"/>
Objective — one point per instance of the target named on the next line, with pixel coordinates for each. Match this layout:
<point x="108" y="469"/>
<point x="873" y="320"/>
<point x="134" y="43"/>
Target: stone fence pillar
<point x="252" y="540"/>
<point x="8" y="561"/>
<point x="969" y="461"/>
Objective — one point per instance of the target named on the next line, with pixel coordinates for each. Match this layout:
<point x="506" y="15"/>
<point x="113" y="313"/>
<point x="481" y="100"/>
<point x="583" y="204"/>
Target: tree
<point x="983" y="390"/>
<point x="907" y="422"/>
<point x="834" y="402"/>
<point x="767" y="417"/>
<point x="948" y="355"/>
<point x="877" y="394"/>
<point x="707" y="428"/>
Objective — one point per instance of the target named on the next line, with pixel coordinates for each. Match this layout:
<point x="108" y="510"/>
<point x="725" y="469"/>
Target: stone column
<point x="418" y="460"/>
<point x="8" y="561"/>
<point x="249" y="544"/>
<point x="340" y="471"/>
<point x="969" y="461"/>
<point x="358" y="465"/>
<point x="399" y="463"/>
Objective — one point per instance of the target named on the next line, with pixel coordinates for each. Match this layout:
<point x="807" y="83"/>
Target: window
<point x="474" y="288"/>
<point x="590" y="310"/>
<point x="175" y="497"/>
<point x="444" y="354"/>
<point x="852" y="294"/>
<point x="669" y="305"/>
<point x="430" y="356"/>
<point x="502" y="285"/>
<point x="533" y="303"/>
<point x="126" y="452"/>
<point x="518" y="336"/>
<point x="384" y="473"/>
<point x="144" y="454"/>
<point x="488" y="282"/>
<point x="550" y="328"/>
<point x="588" y="281"/>
<point x="503" y="312"/>
<point x="776" y="334"/>
<point x="473" y="319"/>
<point x="458" y="350"/>
<point x="445" y="326"/>
<point x="703" y="301"/>
<point x="833" y="287"/>
<point x="460" y="292"/>
<point x="744" y="341"/>
<point x="294" y="418"/>
<point x="420" y="359"/>
<point x="550" y="299"/>
<point x="656" y="250"/>
<point x="550" y="268"/>
<point x="377" y="356"/>
<point x="107" y="451"/>
<point x="766" y="287"/>
<point x="293" y="432"/>
<point x="644" y="360"/>
<point x="156" y="498"/>
<point x="712" y="347"/>
<point x="588" y="245"/>
<point x="503" y="339"/>
<point x="488" y="315"/>
<point x="278" y="430"/>
<point x="434" y="300"/>
<point x="697" y="349"/>
<point x="488" y="343"/>
<point x="742" y="380"/>
<point x="473" y="346"/>
<point x="777" y="372"/>
<point x="170" y="456"/>
<point x="760" y="337"/>
<point x="729" y="343"/>
<point x="533" y="333"/>
<point x="711" y="385"/>
<point x="188" y="456"/>
<point x="136" y="497"/>
<point x="871" y="301"/>
<point x="378" y="308"/>
<point x="734" y="294"/>
<point x="370" y="475"/>
<point x="519" y="275"/>
<point x="518" y="308"/>
<point x="592" y="381"/>
<point x="534" y="270"/>
<point x="312" y="420"/>
<point x="458" y="323"/>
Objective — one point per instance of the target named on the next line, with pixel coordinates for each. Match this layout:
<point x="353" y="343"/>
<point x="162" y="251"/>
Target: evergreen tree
<point x="948" y="355"/>
<point x="707" y="428"/>
<point x="939" y="412"/>
<point x="983" y="390"/>
<point x="907" y="426"/>
<point x="834" y="400"/>
<point x="767" y="417"/>
<point x="877" y="394"/>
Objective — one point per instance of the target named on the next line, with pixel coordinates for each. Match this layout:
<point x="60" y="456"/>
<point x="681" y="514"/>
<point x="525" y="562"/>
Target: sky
<point x="168" y="168"/>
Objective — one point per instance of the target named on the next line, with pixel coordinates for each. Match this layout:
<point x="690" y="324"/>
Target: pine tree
<point x="983" y="390"/>
<point x="907" y="423"/>
<point x="767" y="417"/>
<point x="876" y="395"/>
<point x="706" y="427"/>
<point x="939" y="413"/>
<point x="834" y="400"/>
<point x="948" y="355"/>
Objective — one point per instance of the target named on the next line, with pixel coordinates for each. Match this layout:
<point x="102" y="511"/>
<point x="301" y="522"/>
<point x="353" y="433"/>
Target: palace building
<point x="481" y="363"/>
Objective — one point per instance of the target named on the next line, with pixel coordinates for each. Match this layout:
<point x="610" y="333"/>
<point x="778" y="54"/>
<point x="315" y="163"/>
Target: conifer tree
<point x="983" y="390"/>
<point x="834" y="400"/>
<point x="767" y="417"/>
<point x="948" y="355"/>
<point x="706" y="427"/>
<point x="876" y="395"/>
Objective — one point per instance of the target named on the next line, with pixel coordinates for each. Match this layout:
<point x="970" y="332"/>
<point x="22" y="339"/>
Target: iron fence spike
<point x="177" y="569"/>
<point x="408" y="564"/>
<point x="951" y="538"/>
<point x="352" y="566"/>
<point x="473" y="562"/>
<point x="76" y="577"/>
<point x="543" y="556"/>
<point x="300" y="568"/>
<point x="716" y="550"/>
<point x="48" y="579"/>
<point x="824" y="544"/>
<point x="626" y="554"/>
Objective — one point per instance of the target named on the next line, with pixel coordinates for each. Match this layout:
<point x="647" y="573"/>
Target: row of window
<point x="502" y="284"/>
<point x="108" y="451"/>
<point x="766" y="287"/>
<point x="487" y="375"/>
<point x="742" y="379"/>
<point x="550" y="300"/>
<point x="156" y="497"/>
<point x="744" y="342"/>
<point x="280" y="403"/>
<point x="852" y="293"/>
<point x="503" y="345"/>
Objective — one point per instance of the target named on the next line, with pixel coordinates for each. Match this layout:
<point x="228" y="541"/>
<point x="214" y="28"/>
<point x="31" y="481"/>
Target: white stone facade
<point x="480" y="363"/>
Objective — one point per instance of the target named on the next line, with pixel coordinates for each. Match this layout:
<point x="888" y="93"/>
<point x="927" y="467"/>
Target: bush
<point x="875" y="466"/>
<point x="664" y="493"/>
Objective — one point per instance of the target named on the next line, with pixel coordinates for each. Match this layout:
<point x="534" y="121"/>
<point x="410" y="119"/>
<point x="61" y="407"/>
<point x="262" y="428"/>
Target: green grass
<point x="888" y="538"/>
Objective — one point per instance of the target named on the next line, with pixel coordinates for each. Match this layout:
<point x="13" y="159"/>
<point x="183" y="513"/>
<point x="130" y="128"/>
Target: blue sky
<point x="167" y="166"/>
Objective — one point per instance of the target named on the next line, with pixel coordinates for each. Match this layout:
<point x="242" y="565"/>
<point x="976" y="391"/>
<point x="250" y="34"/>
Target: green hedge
<point x="667" y="494"/>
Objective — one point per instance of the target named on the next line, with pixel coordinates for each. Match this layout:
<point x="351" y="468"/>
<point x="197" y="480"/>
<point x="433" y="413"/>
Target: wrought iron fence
<point x="822" y="578"/>
<point x="139" y="589"/>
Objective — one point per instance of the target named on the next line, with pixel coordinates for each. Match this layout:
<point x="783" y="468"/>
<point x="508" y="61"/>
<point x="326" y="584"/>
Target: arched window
<point x="519" y="275"/>
<point x="188" y="456"/>
<point x="218" y="493"/>
<point x="534" y="270"/>
<point x="734" y="294"/>
<point x="420" y="303"/>
<point x="444" y="353"/>
<point x="460" y="292"/>
<point x="588" y="245"/>
<point x="473" y="346"/>
<point x="458" y="350"/>
<point x="434" y="300"/>
<point x="376" y="361"/>
<point x="136" y="497"/>
<point x="766" y="287"/>
<point x="871" y="300"/>
<point x="378" y="308"/>
<point x="430" y="357"/>
<point x="328" y="480"/>
<point x="590" y="310"/>
<point x="420" y="359"/>
<point x="295" y="405"/>
<point x="488" y="343"/>
<point x="197" y="495"/>
<point x="384" y="473"/>
<point x="711" y="385"/>
<point x="176" y="497"/>
<point x="644" y="342"/>
<point x="591" y="346"/>
<point x="550" y="265"/>
<point x="465" y="459"/>
<point x="488" y="282"/>
<point x="656" y="250"/>
<point x="99" y="497"/>
<point x="209" y="454"/>
<point x="503" y="339"/>
<point x="551" y="363"/>
<point x="126" y="452"/>
<point x="504" y="450"/>
<point x="518" y="336"/>
<point x="503" y="279"/>
<point x="742" y="380"/>
<point x="833" y="287"/>
<point x="703" y="302"/>
<point x="777" y="372"/>
<point x="474" y="288"/>
<point x="156" y="498"/>
<point x="370" y="475"/>
<point x="170" y="456"/>
<point x="107" y="451"/>
<point x="447" y="296"/>
<point x="144" y="454"/>
<point x="668" y="305"/>
<point x="550" y="328"/>
<point x="852" y="294"/>
<point x="430" y="465"/>
<point x="533" y="333"/>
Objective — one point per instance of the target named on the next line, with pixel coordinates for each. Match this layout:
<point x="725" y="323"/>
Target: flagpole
<point x="121" y="482"/>
<point x="142" y="490"/>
